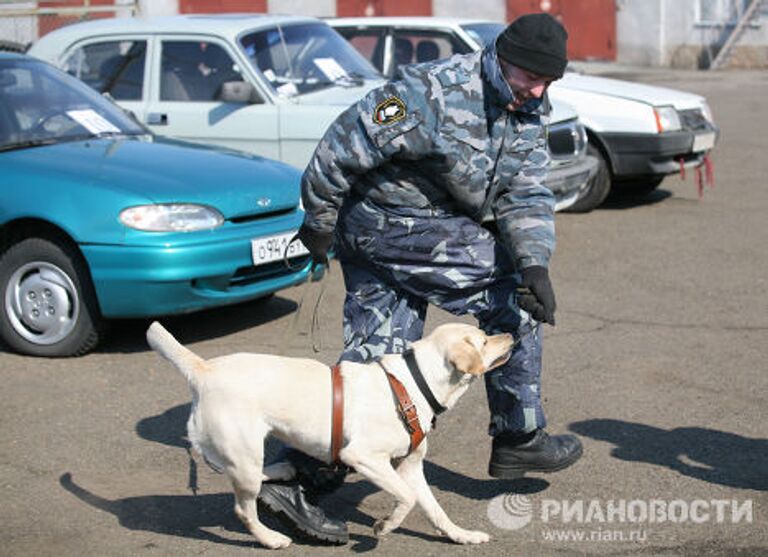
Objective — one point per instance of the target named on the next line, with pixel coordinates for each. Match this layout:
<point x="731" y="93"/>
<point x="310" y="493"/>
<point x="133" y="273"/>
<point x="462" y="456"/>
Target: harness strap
<point x="413" y="366"/>
<point x="337" y="412"/>
<point x="406" y="409"/>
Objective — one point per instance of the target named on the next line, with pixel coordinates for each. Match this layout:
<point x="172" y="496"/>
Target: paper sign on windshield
<point x="331" y="68"/>
<point x="93" y="121"/>
<point x="287" y="90"/>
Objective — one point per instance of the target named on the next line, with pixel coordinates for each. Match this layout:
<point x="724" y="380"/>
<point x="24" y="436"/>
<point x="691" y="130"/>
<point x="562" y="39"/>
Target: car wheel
<point x="49" y="306"/>
<point x="10" y="46"/>
<point x="640" y="186"/>
<point x="597" y="189"/>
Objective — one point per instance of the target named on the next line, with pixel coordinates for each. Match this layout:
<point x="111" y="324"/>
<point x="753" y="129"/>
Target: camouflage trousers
<point x="397" y="261"/>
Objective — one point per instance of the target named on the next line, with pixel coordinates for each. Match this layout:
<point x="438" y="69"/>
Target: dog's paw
<point x="382" y="527"/>
<point x="469" y="536"/>
<point x="275" y="540"/>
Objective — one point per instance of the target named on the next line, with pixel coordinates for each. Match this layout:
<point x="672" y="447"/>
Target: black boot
<point x="514" y="455"/>
<point x="288" y="501"/>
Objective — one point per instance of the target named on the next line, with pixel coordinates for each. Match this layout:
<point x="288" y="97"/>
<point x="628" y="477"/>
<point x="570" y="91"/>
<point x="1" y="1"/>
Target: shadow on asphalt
<point x="195" y="516"/>
<point x="128" y="335"/>
<point x="170" y="428"/>
<point x="188" y="516"/>
<point x="479" y="489"/>
<point x="628" y="200"/>
<point x="709" y="455"/>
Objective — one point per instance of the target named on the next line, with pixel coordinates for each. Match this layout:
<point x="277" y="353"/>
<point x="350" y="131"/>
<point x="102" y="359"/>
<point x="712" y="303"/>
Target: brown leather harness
<point x="337" y="415"/>
<point x="406" y="409"/>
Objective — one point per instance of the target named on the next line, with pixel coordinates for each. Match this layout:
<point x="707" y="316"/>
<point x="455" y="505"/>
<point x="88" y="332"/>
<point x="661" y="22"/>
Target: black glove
<point x="318" y="244"/>
<point x="535" y="294"/>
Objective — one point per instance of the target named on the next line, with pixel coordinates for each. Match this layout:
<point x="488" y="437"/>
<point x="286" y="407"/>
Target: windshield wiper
<point x="103" y="135"/>
<point x="352" y="79"/>
<point x="348" y="80"/>
<point x="29" y="143"/>
<point x="67" y="139"/>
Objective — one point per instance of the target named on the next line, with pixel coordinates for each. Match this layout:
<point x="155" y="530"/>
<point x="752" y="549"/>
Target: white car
<point x="640" y="133"/>
<point x="268" y="85"/>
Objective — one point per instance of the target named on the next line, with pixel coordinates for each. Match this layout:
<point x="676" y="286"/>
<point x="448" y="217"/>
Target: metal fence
<point x="21" y="23"/>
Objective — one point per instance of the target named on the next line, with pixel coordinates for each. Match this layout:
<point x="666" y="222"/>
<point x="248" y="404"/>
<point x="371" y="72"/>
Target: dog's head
<point x="468" y="350"/>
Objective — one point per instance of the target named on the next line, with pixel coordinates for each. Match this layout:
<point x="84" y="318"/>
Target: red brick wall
<point x="48" y="23"/>
<point x="352" y="8"/>
<point x="221" y="6"/>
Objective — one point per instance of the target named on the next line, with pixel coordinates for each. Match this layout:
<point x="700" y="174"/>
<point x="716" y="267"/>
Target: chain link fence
<point x="21" y="23"/>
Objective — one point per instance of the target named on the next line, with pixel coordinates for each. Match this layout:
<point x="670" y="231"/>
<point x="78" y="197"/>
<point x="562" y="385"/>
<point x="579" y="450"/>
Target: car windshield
<point x="40" y="105"/>
<point x="299" y="59"/>
<point x="483" y="33"/>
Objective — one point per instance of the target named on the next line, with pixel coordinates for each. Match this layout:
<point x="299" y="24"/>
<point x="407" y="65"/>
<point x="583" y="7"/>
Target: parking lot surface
<point x="658" y="362"/>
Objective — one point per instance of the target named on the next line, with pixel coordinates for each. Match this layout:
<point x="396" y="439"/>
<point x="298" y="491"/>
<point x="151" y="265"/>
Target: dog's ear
<point x="465" y="357"/>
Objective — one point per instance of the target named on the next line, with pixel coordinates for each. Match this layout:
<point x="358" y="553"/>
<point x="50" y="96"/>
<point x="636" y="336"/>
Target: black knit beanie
<point x="535" y="42"/>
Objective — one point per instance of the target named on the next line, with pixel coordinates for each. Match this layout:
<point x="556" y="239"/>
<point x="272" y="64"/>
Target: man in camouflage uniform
<point x="433" y="188"/>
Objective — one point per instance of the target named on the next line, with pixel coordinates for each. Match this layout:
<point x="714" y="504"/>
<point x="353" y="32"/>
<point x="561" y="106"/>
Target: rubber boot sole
<point x="514" y="471"/>
<point x="290" y="518"/>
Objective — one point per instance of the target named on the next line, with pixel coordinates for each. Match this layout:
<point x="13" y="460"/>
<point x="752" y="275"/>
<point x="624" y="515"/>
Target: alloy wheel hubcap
<point x="41" y="302"/>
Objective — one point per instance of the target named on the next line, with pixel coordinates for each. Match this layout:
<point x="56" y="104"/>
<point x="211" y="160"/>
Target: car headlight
<point x="667" y="119"/>
<point x="581" y="138"/>
<point x="171" y="217"/>
<point x="567" y="140"/>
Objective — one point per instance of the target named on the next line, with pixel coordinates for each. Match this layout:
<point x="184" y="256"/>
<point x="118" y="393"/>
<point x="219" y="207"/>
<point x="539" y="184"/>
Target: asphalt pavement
<point x="658" y="363"/>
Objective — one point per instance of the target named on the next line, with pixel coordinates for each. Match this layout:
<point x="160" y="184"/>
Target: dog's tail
<point x="169" y="348"/>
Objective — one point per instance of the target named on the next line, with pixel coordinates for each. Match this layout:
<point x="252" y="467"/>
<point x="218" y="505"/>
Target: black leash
<point x="192" y="477"/>
<point x="314" y="324"/>
<point x="531" y="330"/>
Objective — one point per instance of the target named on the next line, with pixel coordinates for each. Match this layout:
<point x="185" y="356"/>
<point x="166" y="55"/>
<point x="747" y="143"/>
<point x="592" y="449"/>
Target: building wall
<point x="671" y="33"/>
<point x="354" y="8"/>
<point x="316" y="8"/>
<point x="591" y="24"/>
<point x="155" y="8"/>
<point x="18" y="29"/>
<point x="648" y="32"/>
<point x="639" y="32"/>
<point x="222" y="6"/>
<point x="494" y="10"/>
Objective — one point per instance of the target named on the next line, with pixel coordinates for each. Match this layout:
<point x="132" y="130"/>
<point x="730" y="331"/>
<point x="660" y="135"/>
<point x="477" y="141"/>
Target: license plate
<point x="271" y="248"/>
<point x="703" y="142"/>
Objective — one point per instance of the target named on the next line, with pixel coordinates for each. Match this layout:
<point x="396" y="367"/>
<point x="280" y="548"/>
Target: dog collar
<point x="413" y="367"/>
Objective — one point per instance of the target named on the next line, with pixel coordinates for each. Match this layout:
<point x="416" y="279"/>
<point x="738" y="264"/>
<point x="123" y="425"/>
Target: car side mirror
<point x="239" y="92"/>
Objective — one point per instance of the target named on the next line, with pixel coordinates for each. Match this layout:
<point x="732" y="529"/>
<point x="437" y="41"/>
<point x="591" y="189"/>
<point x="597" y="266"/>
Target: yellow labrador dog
<point x="237" y="400"/>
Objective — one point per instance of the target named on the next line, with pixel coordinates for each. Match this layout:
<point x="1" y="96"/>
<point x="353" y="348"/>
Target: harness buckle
<point x="407" y="422"/>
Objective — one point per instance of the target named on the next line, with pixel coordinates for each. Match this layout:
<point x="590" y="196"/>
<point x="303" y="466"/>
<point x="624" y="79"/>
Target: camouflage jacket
<point x="438" y="136"/>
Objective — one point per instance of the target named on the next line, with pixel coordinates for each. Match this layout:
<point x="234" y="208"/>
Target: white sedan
<point x="640" y="133"/>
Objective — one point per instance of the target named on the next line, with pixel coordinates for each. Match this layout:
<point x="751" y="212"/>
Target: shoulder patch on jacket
<point x="389" y="111"/>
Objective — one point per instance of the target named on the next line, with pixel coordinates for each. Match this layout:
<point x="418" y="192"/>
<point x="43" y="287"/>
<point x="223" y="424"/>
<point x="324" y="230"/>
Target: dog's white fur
<point x="241" y="398"/>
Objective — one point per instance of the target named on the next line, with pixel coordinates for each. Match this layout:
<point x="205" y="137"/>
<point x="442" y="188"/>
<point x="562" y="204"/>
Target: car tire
<point x="10" y="46"/>
<point x="49" y="306"/>
<point x="640" y="186"/>
<point x="598" y="188"/>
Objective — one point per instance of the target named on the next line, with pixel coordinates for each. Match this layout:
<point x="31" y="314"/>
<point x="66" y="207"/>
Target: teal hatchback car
<point x="100" y="219"/>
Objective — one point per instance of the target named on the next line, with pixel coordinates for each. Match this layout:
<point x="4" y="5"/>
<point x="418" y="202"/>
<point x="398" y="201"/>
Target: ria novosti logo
<point x="510" y="511"/>
<point x="513" y="512"/>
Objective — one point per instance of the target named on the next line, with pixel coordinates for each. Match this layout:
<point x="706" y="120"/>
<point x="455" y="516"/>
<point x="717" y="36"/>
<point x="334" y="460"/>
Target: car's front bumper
<point x="567" y="181"/>
<point x="657" y="154"/>
<point x="195" y="273"/>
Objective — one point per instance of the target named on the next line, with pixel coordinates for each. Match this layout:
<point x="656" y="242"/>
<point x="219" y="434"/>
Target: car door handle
<point x="157" y="119"/>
